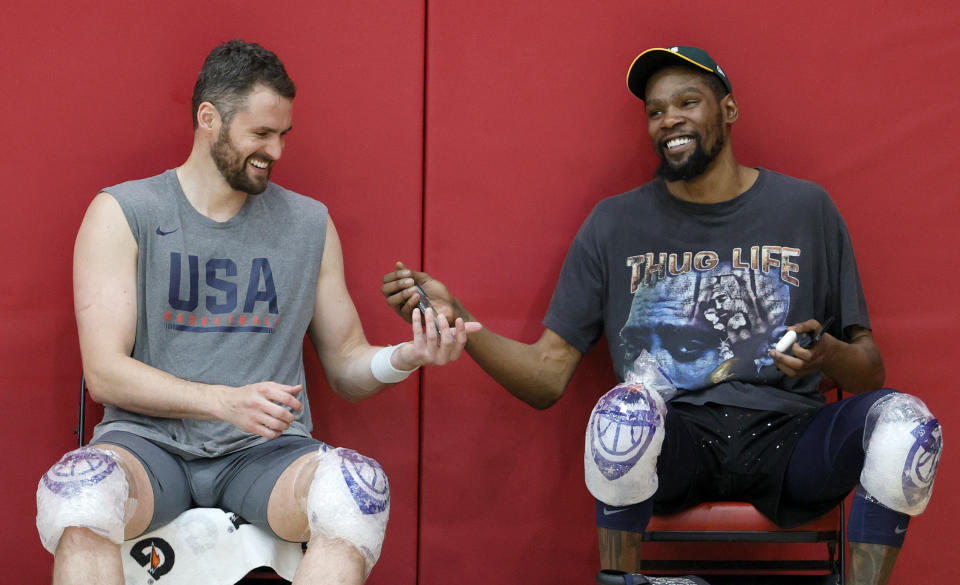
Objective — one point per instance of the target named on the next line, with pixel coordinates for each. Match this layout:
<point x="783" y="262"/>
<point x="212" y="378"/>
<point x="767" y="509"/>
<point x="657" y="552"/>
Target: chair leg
<point x="82" y="422"/>
<point x="842" y="540"/>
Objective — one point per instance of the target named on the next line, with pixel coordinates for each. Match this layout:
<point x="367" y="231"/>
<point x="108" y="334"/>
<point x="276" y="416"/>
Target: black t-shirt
<point x="708" y="289"/>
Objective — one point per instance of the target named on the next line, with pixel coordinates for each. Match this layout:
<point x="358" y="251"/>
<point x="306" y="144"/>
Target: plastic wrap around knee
<point x="349" y="499"/>
<point x="623" y="441"/>
<point x="903" y="442"/>
<point x="86" y="488"/>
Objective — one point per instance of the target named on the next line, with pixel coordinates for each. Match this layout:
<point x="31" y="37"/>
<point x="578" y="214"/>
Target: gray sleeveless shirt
<point x="220" y="302"/>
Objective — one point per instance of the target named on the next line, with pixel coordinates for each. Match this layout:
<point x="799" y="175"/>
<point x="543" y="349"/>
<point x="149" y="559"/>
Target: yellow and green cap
<point x="652" y="60"/>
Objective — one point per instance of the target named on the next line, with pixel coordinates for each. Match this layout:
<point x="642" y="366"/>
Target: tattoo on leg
<point x="619" y="549"/>
<point x="871" y="564"/>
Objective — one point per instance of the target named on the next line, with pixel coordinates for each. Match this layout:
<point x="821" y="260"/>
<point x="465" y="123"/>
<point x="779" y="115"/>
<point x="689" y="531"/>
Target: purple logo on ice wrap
<point x="366" y="480"/>
<point x="622" y="426"/>
<point x="78" y="468"/>
<point x="922" y="461"/>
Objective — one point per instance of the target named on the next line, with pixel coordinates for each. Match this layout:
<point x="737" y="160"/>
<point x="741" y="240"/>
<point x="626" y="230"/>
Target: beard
<point x="233" y="166"/>
<point x="695" y="164"/>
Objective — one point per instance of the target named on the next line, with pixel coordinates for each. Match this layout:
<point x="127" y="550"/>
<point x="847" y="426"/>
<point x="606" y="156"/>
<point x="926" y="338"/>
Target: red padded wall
<point x="96" y="94"/>
<point x="529" y="124"/>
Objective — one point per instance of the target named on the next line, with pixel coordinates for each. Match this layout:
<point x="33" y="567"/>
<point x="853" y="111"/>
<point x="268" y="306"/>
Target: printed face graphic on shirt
<point x="706" y="326"/>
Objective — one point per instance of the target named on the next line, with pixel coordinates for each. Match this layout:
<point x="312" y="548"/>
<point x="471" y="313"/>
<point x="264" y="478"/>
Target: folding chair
<point x="740" y="522"/>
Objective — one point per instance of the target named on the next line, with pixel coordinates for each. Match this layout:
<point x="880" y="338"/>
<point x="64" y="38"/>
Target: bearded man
<point x="697" y="274"/>
<point x="194" y="290"/>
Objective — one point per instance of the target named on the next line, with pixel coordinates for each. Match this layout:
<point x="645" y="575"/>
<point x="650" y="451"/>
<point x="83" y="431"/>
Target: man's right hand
<point x="263" y="408"/>
<point x="535" y="373"/>
<point x="399" y="288"/>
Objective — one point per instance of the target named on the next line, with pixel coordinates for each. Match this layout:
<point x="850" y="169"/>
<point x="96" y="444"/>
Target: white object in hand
<point x="787" y="341"/>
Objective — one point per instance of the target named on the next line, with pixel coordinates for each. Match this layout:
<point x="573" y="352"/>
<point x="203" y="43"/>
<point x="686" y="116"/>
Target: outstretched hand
<point x="399" y="288"/>
<point x="433" y="345"/>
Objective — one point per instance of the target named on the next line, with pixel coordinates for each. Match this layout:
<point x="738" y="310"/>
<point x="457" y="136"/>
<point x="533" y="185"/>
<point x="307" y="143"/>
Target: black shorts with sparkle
<point x="716" y="452"/>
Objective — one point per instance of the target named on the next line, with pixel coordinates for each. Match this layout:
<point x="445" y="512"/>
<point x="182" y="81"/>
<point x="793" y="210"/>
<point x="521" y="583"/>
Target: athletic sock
<point x="633" y="518"/>
<point x="872" y="522"/>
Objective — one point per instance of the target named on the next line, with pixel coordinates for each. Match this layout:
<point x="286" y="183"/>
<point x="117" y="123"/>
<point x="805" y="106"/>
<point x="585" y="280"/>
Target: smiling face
<point x="246" y="149"/>
<point x="686" y="122"/>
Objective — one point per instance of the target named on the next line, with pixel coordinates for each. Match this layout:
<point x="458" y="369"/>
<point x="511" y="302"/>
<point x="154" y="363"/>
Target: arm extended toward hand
<point x="343" y="349"/>
<point x="536" y="373"/>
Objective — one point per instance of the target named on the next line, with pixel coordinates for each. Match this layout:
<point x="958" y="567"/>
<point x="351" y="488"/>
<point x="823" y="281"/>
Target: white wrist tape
<point x="383" y="370"/>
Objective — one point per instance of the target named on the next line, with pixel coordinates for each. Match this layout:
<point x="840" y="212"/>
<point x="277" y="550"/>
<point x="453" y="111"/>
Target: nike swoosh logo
<point x="899" y="530"/>
<point x="160" y="232"/>
<point x="608" y="512"/>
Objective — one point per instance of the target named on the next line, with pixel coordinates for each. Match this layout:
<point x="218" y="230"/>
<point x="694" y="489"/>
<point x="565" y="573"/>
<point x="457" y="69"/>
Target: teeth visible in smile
<point x="675" y="142"/>
<point x="260" y="164"/>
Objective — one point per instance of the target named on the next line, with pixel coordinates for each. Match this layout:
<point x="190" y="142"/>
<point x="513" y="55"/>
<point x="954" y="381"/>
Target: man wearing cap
<point x="700" y="272"/>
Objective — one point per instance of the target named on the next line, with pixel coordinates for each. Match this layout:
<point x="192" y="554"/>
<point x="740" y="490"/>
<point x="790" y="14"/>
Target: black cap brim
<point x="652" y="60"/>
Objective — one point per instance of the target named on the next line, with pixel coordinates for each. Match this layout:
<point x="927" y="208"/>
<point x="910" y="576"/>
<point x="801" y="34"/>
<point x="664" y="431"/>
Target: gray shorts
<point x="239" y="482"/>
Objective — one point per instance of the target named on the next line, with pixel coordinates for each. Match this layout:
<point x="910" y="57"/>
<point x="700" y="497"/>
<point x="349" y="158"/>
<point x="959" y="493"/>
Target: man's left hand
<point x="804" y="361"/>
<point x="430" y="347"/>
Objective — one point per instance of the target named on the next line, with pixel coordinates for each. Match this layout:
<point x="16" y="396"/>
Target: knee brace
<point x="349" y="499"/>
<point x="86" y="488"/>
<point x="623" y="441"/>
<point x="903" y="442"/>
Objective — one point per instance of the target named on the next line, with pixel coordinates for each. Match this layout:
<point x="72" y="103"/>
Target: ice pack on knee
<point x="903" y="442"/>
<point x="86" y="488"/>
<point x="624" y="437"/>
<point x="349" y="499"/>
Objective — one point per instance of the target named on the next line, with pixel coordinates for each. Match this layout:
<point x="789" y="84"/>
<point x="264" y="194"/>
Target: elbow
<point x="350" y="397"/>
<point x="868" y="381"/>
<point x="101" y="375"/>
<point x="546" y="398"/>
<point x="865" y="385"/>
<point x="542" y="404"/>
<point x="95" y="384"/>
<point x="879" y="377"/>
<point x="350" y="392"/>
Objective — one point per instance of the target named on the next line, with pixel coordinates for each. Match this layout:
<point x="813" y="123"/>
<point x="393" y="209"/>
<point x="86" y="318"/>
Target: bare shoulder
<point x="104" y="233"/>
<point x="104" y="212"/>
